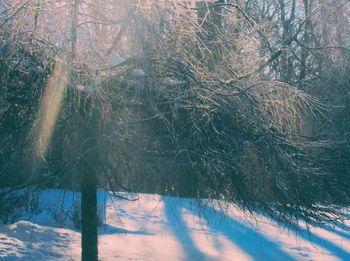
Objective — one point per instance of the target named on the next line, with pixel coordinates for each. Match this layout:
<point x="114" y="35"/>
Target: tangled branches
<point x="188" y="113"/>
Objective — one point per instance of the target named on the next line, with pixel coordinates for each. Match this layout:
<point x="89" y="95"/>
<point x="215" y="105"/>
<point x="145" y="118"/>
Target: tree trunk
<point x="89" y="243"/>
<point x="88" y="157"/>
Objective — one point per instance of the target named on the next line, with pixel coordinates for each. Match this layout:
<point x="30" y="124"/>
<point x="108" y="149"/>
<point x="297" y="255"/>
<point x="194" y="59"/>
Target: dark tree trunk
<point x="89" y="222"/>
<point x="88" y="158"/>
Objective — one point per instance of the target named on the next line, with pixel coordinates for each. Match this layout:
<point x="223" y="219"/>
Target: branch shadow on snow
<point x="331" y="228"/>
<point x="242" y="236"/>
<point x="253" y="243"/>
<point x="342" y="226"/>
<point x="323" y="243"/>
<point x="172" y="210"/>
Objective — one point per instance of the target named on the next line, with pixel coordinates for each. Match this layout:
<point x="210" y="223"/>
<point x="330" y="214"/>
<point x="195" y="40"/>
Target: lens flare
<point x="50" y="108"/>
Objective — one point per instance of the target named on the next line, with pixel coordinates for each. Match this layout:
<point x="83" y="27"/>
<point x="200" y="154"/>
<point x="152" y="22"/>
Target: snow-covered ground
<point x="164" y="228"/>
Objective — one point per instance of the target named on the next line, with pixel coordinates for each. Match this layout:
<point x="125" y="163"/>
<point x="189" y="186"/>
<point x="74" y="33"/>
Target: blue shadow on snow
<point x="180" y="230"/>
<point x="253" y="243"/>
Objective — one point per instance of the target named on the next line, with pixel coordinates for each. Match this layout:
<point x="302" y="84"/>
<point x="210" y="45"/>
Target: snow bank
<point x="165" y="228"/>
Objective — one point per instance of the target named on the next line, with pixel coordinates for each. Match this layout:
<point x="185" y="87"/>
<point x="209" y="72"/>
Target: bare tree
<point x="198" y="89"/>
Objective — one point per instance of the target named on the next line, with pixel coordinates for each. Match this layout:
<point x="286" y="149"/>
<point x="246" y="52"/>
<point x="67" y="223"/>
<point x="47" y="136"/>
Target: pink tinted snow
<point x="165" y="228"/>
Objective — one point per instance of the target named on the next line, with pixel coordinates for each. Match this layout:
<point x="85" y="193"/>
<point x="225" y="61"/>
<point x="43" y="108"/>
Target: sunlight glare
<point x="50" y="108"/>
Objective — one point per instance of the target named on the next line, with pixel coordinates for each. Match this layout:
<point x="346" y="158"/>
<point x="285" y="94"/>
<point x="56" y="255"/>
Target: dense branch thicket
<point x="24" y="68"/>
<point x="202" y="103"/>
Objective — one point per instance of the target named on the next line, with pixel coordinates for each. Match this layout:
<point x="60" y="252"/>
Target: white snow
<point x="164" y="228"/>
